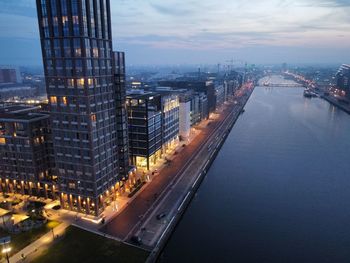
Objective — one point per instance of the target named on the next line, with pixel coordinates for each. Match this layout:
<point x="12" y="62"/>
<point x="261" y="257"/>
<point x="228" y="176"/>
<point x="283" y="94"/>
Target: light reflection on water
<point x="279" y="190"/>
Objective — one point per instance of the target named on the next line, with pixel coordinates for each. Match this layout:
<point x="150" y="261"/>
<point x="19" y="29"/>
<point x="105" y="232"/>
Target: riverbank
<point x="279" y="185"/>
<point x="185" y="189"/>
<point x="336" y="103"/>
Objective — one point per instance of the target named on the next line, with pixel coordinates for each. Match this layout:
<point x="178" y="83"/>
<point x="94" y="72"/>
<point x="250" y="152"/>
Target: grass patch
<point x="23" y="239"/>
<point x="78" y="245"/>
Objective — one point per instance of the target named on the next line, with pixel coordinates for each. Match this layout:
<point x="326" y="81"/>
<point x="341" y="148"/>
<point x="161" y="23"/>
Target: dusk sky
<point x="199" y="32"/>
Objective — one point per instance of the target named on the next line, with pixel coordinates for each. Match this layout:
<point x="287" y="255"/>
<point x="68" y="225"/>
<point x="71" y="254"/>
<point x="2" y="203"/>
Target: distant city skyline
<point x="201" y="32"/>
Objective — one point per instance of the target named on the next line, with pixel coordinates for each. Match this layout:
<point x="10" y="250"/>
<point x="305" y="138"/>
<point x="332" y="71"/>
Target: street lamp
<point x="6" y="250"/>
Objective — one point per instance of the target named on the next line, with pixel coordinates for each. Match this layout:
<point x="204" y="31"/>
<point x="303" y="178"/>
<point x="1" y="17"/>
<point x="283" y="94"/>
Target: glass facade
<point x="77" y="54"/>
<point x="145" y="129"/>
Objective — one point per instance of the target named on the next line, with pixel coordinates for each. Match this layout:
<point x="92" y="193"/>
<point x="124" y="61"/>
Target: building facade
<point x="9" y="75"/>
<point x="122" y="118"/>
<point x="26" y="153"/>
<point x="342" y="79"/>
<point x="145" y="128"/>
<point x="77" y="54"/>
<point x="205" y="86"/>
<point x="170" y="120"/>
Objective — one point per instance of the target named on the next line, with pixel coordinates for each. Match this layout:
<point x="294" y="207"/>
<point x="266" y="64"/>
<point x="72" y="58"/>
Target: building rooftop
<point x="22" y="116"/>
<point x="18" y="108"/>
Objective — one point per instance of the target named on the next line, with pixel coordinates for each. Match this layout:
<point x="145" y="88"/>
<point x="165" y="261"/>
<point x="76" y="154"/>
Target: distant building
<point x="193" y="109"/>
<point x="26" y="153"/>
<point x="9" y="75"/>
<point x="205" y="86"/>
<point x="220" y="95"/>
<point x="185" y="117"/>
<point x="342" y="79"/>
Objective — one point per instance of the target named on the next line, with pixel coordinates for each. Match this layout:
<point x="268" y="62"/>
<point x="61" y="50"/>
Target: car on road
<point x="56" y="207"/>
<point x="136" y="240"/>
<point x="160" y="216"/>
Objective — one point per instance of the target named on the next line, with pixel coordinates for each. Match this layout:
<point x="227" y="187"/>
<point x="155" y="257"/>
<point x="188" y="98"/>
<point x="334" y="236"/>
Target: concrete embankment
<point x="222" y="132"/>
<point x="345" y="108"/>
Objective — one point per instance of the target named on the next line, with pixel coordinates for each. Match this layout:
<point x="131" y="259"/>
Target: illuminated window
<point x="93" y="117"/>
<point x="64" y="19"/>
<point x="71" y="185"/>
<point x="64" y="100"/>
<point x="81" y="82"/>
<point x="78" y="52"/>
<point x="37" y="141"/>
<point x="95" y="52"/>
<point x="2" y="140"/>
<point x="70" y="82"/>
<point x="90" y="82"/>
<point x="53" y="99"/>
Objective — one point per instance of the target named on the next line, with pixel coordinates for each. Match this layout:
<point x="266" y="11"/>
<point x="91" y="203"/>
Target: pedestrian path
<point x="44" y="240"/>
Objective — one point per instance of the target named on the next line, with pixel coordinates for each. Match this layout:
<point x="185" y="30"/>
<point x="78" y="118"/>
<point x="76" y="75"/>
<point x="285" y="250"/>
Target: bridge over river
<point x="279" y="81"/>
<point x="283" y="85"/>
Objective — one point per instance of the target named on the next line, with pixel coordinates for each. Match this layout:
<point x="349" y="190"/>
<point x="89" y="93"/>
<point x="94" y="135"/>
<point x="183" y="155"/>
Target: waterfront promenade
<point x="170" y="192"/>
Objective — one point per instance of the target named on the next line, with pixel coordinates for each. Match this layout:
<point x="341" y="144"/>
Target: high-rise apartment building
<point x="77" y="53"/>
<point x="122" y="126"/>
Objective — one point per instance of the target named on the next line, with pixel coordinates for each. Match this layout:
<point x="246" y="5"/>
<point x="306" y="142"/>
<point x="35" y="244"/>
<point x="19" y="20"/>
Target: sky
<point x="201" y="31"/>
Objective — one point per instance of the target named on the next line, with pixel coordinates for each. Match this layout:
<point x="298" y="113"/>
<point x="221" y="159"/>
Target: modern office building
<point x="203" y="106"/>
<point x="193" y="109"/>
<point x="170" y="120"/>
<point x="26" y="153"/>
<point x="220" y="95"/>
<point x="145" y="128"/>
<point x="77" y="53"/>
<point x="343" y="80"/>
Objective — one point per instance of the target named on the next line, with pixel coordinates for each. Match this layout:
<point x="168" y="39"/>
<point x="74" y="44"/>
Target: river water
<point x="278" y="191"/>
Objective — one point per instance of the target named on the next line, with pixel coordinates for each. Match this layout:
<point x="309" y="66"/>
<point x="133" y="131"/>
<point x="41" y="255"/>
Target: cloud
<point x="171" y="10"/>
<point x="206" y="26"/>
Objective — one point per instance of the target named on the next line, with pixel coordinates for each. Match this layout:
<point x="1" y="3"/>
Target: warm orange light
<point x="53" y="99"/>
<point x="81" y="82"/>
<point x="64" y="100"/>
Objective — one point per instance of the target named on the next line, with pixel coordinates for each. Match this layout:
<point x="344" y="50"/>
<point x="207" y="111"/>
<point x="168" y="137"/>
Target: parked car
<point x="160" y="216"/>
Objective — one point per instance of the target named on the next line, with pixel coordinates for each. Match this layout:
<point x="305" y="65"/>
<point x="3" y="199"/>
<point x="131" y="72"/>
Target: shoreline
<point x="336" y="104"/>
<point x="229" y="121"/>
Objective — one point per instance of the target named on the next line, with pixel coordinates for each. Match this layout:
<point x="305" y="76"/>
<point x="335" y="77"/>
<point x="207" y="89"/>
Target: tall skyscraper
<point x="122" y="118"/>
<point x="77" y="53"/>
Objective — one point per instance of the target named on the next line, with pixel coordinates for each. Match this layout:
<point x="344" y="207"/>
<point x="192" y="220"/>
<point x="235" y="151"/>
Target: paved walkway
<point x="43" y="241"/>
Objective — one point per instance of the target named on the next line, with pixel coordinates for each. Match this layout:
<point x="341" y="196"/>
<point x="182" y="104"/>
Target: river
<point x="278" y="191"/>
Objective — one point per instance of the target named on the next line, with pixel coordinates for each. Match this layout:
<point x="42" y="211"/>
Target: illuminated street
<point x="167" y="191"/>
